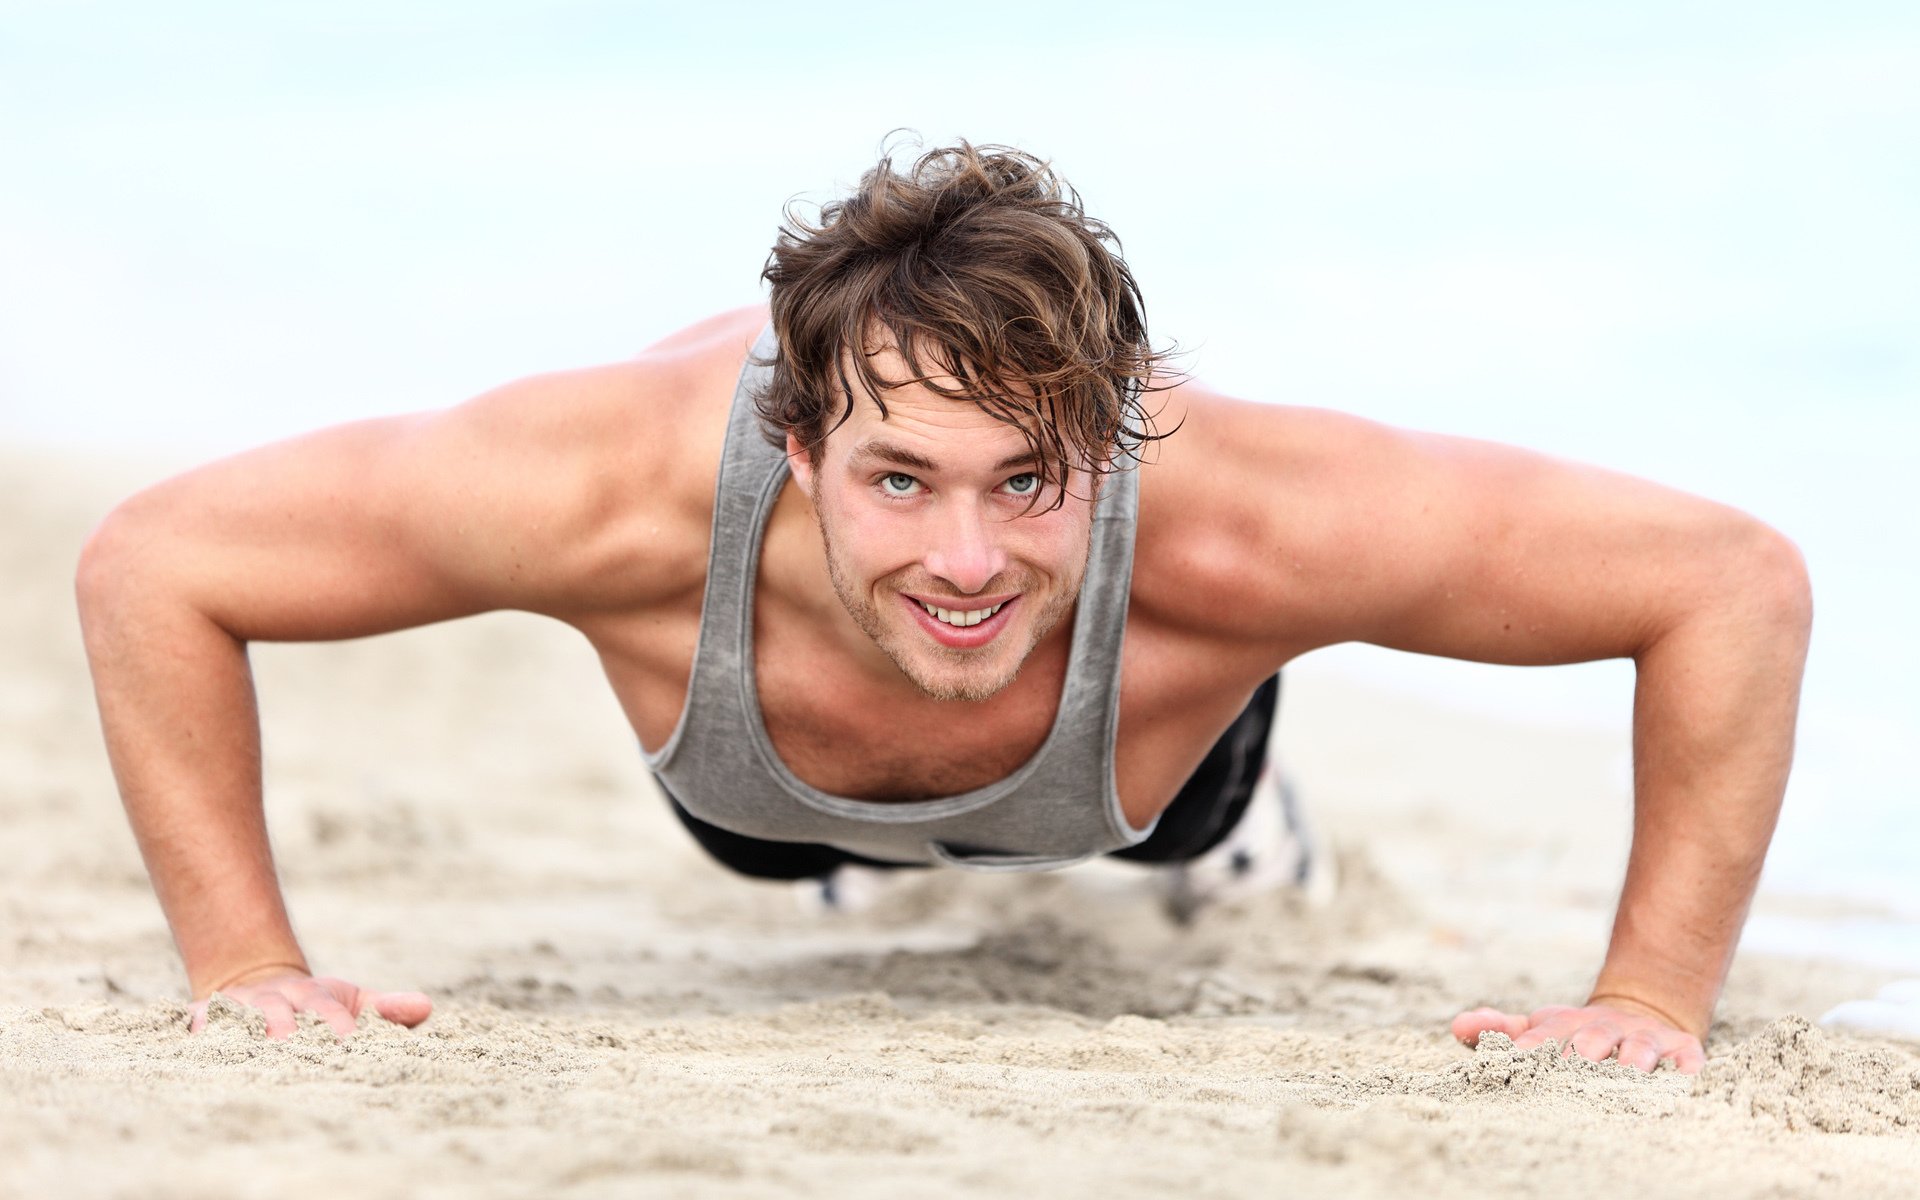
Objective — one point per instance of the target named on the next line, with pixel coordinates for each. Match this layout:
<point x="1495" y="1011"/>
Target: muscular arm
<point x="509" y="501"/>
<point x="1460" y="548"/>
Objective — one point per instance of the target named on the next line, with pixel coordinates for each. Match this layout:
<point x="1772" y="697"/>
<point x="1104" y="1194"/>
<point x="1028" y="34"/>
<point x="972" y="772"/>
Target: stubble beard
<point x="972" y="685"/>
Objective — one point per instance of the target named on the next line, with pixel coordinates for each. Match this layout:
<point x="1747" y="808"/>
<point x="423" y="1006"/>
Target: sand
<point x="461" y="810"/>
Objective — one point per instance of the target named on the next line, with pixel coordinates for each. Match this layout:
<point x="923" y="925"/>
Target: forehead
<point x="917" y="415"/>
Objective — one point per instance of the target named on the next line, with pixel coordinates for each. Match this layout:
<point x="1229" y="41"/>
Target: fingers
<point x="321" y="1003"/>
<point x="1596" y="1041"/>
<point x="1645" y="1049"/>
<point x="1556" y="1024"/>
<point x="1578" y="1032"/>
<point x="1595" y="1033"/>
<point x="402" y="1008"/>
<point x="279" y="1013"/>
<point x="334" y="1001"/>
<point x="1642" y="1050"/>
<point x="1688" y="1055"/>
<point x="1468" y="1026"/>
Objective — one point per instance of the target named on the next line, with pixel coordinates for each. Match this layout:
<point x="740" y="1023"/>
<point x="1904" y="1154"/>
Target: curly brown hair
<point x="982" y="265"/>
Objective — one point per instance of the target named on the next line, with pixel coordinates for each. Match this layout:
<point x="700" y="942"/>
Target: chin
<point x="951" y="673"/>
<point x="940" y="677"/>
<point x="973" y="686"/>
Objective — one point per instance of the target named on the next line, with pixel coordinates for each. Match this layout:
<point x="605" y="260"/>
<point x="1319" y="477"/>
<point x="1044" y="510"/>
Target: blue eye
<point x="1032" y="482"/>
<point x="897" y="483"/>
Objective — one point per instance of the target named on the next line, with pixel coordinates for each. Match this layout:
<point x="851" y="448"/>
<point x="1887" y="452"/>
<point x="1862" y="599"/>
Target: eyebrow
<point x="887" y="452"/>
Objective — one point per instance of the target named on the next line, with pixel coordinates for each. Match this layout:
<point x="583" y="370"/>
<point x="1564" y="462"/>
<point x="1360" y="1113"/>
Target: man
<point x="940" y="613"/>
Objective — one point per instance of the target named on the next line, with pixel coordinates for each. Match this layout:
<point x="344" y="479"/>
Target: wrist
<point x="251" y="974"/>
<point x="1671" y="1015"/>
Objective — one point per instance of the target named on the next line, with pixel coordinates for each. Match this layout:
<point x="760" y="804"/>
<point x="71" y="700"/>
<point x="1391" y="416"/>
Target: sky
<point x="1677" y="239"/>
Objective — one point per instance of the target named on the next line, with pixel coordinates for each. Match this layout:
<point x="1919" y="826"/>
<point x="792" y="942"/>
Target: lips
<point x="962" y="637"/>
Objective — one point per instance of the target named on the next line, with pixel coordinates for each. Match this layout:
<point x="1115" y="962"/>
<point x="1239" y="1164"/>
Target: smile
<point x="956" y="617"/>
<point x="959" y="628"/>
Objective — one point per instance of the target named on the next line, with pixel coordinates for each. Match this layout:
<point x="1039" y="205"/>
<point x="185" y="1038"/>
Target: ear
<point x="800" y="465"/>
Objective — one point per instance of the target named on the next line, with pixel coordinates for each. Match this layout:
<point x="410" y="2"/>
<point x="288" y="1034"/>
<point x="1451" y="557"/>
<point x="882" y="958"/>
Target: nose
<point x="965" y="552"/>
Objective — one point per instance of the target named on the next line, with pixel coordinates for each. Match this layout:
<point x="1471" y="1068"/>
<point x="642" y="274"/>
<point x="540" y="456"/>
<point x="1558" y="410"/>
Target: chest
<point x="839" y="733"/>
<point x="850" y="730"/>
<point x="1175" y="701"/>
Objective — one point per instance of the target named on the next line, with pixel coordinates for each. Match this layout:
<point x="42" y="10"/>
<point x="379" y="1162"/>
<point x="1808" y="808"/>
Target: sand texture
<point x="462" y="810"/>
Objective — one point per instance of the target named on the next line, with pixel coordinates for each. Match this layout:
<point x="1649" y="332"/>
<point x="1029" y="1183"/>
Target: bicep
<point x="371" y="526"/>
<point x="1497" y="554"/>
<point x="1337" y="529"/>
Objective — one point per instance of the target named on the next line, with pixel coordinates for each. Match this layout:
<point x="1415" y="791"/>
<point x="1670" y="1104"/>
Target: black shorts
<point x="1209" y="805"/>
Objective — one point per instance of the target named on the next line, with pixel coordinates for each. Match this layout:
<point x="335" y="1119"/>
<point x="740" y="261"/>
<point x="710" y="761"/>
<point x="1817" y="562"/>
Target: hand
<point x="1595" y="1031"/>
<point x="334" y="1001"/>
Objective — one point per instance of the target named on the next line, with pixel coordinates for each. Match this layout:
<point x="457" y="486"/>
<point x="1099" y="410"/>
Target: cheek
<point x="1058" y="546"/>
<point x="871" y="544"/>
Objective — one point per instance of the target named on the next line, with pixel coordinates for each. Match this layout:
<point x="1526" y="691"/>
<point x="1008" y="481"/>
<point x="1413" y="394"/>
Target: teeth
<point x="961" y="619"/>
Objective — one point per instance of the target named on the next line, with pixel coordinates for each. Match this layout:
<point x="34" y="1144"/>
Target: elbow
<point x="1746" y="586"/>
<point x="98" y="571"/>
<point x="1776" y="585"/>
<point x="108" y="567"/>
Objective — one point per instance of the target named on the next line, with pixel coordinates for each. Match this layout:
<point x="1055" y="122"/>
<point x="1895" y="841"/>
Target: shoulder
<point x="606" y="472"/>
<point x="1253" y="516"/>
<point x="651" y="411"/>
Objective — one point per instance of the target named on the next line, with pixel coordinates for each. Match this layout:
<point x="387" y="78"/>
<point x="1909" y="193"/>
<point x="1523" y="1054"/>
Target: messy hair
<point x="980" y="264"/>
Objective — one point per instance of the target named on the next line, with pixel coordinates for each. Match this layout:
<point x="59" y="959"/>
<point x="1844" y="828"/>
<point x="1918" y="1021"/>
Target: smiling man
<point x="933" y="563"/>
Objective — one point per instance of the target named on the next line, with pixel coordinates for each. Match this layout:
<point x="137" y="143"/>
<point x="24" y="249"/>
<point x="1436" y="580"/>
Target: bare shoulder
<point x="1274" y="530"/>
<point x="605" y="473"/>
<point x="1252" y="516"/>
<point x="571" y="494"/>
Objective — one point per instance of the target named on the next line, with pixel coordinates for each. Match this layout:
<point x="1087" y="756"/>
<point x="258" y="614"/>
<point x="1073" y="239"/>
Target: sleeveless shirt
<point x="1061" y="806"/>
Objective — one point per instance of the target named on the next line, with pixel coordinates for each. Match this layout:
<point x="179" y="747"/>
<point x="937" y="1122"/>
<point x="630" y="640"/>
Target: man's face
<point x="929" y="508"/>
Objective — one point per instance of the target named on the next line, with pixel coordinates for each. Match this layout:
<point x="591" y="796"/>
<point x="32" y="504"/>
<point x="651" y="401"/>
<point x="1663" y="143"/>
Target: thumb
<point x="402" y="1008"/>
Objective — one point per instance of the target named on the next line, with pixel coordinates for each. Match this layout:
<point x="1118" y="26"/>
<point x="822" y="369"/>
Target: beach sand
<point x="462" y="810"/>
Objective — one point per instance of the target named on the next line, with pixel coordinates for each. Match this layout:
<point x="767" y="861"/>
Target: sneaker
<point x="849" y="888"/>
<point x="1271" y="849"/>
<point x="1894" y="1013"/>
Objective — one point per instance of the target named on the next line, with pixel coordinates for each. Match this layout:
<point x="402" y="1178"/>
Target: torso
<point x="849" y="730"/>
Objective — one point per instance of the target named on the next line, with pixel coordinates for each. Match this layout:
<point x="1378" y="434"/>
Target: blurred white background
<point x="1678" y="239"/>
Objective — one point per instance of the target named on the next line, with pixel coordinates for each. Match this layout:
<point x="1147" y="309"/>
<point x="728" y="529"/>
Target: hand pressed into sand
<point x="1594" y="1031"/>
<point x="334" y="1001"/>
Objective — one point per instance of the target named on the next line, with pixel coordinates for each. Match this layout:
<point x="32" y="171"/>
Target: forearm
<point x="1714" y="714"/>
<point x="177" y="708"/>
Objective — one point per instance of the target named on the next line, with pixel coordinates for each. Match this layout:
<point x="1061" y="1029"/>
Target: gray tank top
<point x="1059" y="807"/>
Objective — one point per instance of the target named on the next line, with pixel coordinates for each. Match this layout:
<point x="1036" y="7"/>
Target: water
<point x="1679" y="242"/>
